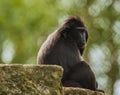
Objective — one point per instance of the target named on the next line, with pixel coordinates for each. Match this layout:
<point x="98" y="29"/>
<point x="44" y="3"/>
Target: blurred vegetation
<point x="25" y="24"/>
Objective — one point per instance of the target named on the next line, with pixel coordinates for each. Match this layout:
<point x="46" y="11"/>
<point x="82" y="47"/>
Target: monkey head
<point x="75" y="30"/>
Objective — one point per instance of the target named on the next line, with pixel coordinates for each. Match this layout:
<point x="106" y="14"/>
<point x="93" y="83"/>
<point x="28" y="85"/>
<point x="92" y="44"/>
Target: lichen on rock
<point x="80" y="91"/>
<point x="36" y="80"/>
<point x="30" y="80"/>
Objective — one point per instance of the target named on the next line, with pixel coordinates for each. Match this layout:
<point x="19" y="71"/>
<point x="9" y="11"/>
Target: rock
<point x="30" y="80"/>
<point x="80" y="91"/>
<point x="36" y="80"/>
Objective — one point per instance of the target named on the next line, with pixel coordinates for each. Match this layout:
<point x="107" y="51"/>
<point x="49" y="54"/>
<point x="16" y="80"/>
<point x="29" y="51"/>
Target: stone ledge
<point x="30" y="80"/>
<point x="80" y="91"/>
<point x="18" y="79"/>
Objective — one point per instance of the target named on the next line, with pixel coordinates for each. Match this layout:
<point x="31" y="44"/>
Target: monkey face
<point x="80" y="36"/>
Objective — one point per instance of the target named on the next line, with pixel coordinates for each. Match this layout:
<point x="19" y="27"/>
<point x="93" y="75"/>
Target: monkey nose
<point x="82" y="45"/>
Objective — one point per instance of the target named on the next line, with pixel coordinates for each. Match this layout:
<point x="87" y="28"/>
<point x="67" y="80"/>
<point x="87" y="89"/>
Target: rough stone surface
<point x="80" y="91"/>
<point x="30" y="80"/>
<point x="36" y="80"/>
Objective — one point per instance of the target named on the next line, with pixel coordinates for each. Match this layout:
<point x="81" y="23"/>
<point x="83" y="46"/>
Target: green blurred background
<point x="25" y="24"/>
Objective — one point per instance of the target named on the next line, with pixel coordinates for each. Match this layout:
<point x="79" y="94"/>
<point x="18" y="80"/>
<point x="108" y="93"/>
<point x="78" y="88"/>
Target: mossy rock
<point x="36" y="80"/>
<point x="80" y="91"/>
<point x="30" y="80"/>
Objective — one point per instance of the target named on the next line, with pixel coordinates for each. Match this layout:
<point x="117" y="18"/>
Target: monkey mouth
<point x="81" y="45"/>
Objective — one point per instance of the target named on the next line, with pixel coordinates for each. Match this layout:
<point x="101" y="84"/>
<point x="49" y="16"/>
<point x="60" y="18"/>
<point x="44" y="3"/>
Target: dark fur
<point x="64" y="47"/>
<point x="81" y="75"/>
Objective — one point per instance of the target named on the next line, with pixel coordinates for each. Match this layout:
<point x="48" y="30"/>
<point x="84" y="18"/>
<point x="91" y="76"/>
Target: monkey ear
<point x="65" y="32"/>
